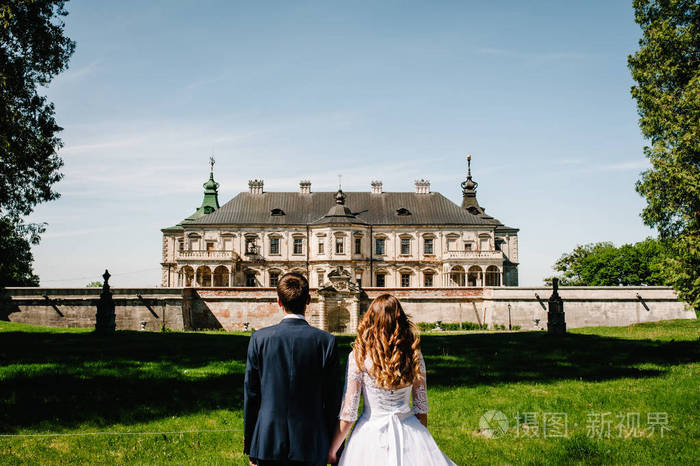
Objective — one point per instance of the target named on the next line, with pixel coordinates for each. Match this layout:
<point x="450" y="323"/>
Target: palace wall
<point x="246" y="308"/>
<point x="76" y="307"/>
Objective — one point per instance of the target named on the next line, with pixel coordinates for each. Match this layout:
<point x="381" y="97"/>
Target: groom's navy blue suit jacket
<point x="293" y="391"/>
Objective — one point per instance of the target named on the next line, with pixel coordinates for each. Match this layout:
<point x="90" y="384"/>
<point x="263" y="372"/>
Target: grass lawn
<point x="137" y="397"/>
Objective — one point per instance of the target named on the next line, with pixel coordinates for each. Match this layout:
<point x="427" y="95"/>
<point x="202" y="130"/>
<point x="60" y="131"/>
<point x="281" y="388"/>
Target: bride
<point x="386" y="367"/>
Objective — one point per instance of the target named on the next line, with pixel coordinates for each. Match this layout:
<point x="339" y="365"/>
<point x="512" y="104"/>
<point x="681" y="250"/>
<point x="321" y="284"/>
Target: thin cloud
<point x="626" y="166"/>
<point x="533" y="56"/>
<point x="77" y="74"/>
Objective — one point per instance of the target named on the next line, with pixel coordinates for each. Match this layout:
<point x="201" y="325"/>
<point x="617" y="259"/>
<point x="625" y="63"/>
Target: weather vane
<point x="211" y="163"/>
<point x="340" y="179"/>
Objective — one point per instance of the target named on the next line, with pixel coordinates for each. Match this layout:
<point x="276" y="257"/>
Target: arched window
<point x="474" y="277"/>
<point x="203" y="276"/>
<point x="457" y="276"/>
<point x="493" y="276"/>
<point x="250" y="279"/>
<point x="221" y="276"/>
<point x="187" y="274"/>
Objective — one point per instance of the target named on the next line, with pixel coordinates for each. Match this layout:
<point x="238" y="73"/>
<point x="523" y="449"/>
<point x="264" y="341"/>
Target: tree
<point x="33" y="50"/>
<point x="666" y="69"/>
<point x="94" y="285"/>
<point x="15" y="257"/>
<point x="602" y="264"/>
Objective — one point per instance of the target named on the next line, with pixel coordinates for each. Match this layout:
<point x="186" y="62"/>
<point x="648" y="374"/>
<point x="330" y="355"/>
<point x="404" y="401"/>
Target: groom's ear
<point x="308" y="299"/>
<point x="279" y="302"/>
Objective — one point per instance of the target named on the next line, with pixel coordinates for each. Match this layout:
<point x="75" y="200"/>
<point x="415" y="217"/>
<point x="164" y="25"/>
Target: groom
<point x="293" y="387"/>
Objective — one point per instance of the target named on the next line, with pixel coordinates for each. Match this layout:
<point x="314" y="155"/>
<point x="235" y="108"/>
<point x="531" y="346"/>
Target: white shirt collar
<point x="294" y="316"/>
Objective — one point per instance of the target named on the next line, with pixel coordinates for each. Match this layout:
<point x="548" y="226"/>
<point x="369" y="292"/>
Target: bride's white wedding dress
<point x="388" y="433"/>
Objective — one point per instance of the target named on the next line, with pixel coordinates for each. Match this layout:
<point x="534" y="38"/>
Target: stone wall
<point x="76" y="307"/>
<point x="246" y="308"/>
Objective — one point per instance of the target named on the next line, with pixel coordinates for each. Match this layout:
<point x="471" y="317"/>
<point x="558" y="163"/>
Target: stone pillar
<point x="323" y="313"/>
<point x="556" y="322"/>
<point x="105" y="318"/>
<point x="354" y="315"/>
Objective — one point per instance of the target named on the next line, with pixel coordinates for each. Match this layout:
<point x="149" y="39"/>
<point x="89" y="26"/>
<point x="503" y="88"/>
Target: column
<point x="323" y="314"/>
<point x="354" y="315"/>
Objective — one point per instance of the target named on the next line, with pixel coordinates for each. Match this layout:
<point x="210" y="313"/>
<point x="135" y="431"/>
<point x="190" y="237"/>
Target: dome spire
<point x="210" y="203"/>
<point x="340" y="195"/>
<point x="469" y="186"/>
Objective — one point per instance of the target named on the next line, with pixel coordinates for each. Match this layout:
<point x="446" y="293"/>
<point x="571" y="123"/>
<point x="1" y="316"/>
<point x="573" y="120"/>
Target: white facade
<point x="392" y="256"/>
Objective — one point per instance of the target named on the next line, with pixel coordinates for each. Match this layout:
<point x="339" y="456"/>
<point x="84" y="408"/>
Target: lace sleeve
<point x="353" y="391"/>
<point x="420" y="393"/>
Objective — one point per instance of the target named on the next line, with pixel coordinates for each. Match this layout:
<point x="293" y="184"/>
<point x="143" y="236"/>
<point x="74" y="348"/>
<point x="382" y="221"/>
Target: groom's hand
<point x="332" y="457"/>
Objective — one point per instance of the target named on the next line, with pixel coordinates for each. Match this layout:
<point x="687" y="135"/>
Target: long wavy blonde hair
<point x="391" y="341"/>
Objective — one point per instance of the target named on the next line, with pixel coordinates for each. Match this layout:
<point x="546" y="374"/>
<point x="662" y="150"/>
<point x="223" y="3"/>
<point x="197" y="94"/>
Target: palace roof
<point x="386" y="208"/>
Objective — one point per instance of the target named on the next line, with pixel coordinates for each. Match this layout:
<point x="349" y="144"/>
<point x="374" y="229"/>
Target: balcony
<point x="203" y="255"/>
<point x="488" y="255"/>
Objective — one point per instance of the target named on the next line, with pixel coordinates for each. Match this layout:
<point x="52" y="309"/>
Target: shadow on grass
<point x="491" y="359"/>
<point x="51" y="381"/>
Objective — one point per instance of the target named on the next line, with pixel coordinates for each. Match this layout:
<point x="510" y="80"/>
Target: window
<point x="358" y="245"/>
<point x="321" y="276"/>
<point x="428" y="246"/>
<point x="467" y="246"/>
<point x="274" y="279"/>
<point x="403" y="211"/>
<point x="358" y="279"/>
<point x="210" y="245"/>
<point x="321" y="247"/>
<point x="277" y="212"/>
<point x="180" y="245"/>
<point x="381" y="280"/>
<point x="405" y="246"/>
<point x="194" y="244"/>
<point x="339" y="245"/>
<point x="228" y="243"/>
<point x="493" y="276"/>
<point x="484" y="244"/>
<point x="274" y="245"/>
<point x="428" y="280"/>
<point x="298" y="246"/>
<point x="250" y="279"/>
<point x="379" y="246"/>
<point x="405" y="280"/>
<point x="250" y="246"/>
<point x="451" y="244"/>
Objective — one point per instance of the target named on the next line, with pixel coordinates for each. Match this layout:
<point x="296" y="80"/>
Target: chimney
<point x="422" y="186"/>
<point x="376" y="187"/>
<point x="255" y="186"/>
<point x="305" y="187"/>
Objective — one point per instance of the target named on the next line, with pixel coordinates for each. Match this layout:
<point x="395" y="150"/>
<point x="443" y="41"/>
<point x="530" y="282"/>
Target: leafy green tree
<point x="603" y="264"/>
<point x="33" y="50"/>
<point x="94" y="285"/>
<point x="15" y="257"/>
<point x="666" y="69"/>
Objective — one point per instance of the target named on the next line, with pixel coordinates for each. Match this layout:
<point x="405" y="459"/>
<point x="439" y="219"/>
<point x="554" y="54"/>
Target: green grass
<point x="68" y="381"/>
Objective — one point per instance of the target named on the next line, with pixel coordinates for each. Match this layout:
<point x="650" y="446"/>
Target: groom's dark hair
<point x="293" y="291"/>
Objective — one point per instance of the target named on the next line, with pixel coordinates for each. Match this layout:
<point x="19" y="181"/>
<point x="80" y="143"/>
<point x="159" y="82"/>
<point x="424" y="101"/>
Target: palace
<point x="379" y="239"/>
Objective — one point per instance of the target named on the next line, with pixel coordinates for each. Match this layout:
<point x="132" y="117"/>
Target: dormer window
<point x="277" y="212"/>
<point x="403" y="212"/>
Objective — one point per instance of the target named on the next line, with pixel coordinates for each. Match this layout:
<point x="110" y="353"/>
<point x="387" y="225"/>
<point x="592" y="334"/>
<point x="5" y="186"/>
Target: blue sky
<point x="537" y="92"/>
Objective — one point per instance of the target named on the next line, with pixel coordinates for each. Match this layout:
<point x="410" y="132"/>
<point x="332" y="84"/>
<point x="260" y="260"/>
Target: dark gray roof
<point x="375" y="209"/>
